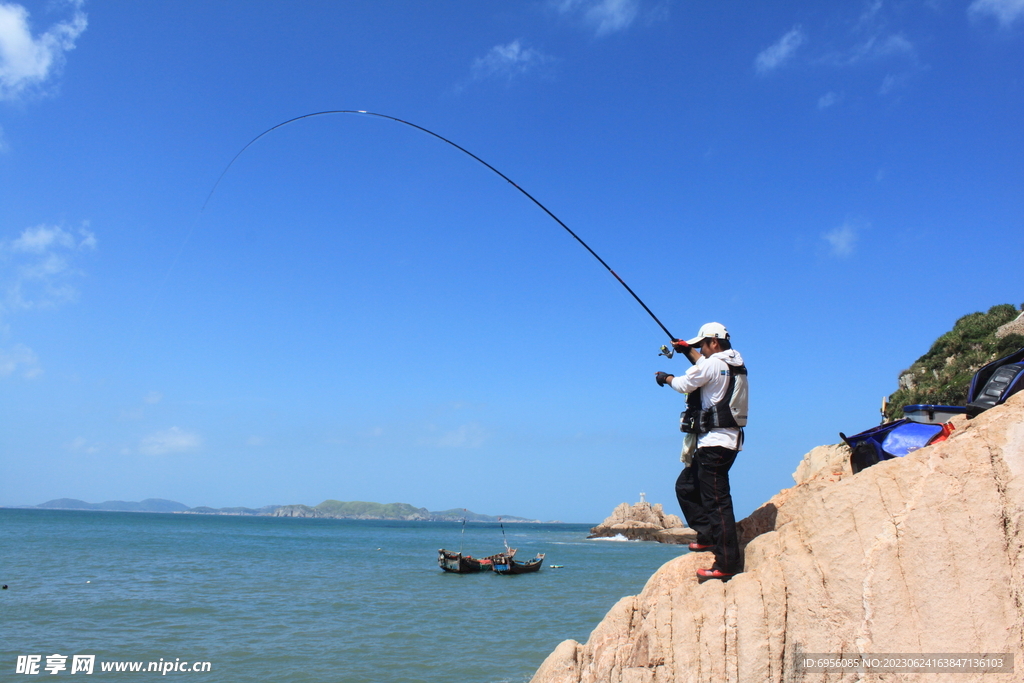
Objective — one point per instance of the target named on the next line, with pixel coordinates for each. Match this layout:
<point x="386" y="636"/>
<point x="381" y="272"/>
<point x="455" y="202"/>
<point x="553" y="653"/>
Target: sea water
<point x="296" y="600"/>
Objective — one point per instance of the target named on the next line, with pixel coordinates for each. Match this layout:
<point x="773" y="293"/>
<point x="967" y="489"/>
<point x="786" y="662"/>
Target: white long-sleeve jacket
<point x="711" y="375"/>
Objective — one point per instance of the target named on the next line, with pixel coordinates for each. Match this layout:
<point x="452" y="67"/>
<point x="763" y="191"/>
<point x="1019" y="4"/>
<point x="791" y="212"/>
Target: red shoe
<point x="714" y="574"/>
<point x="698" y="547"/>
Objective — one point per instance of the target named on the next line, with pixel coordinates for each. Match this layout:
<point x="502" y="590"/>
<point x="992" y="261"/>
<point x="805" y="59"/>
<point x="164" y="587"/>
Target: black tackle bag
<point x="995" y="382"/>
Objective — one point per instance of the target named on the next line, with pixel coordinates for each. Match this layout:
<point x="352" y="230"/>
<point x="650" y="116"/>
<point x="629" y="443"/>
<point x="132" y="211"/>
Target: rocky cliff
<point x="921" y="554"/>
<point x="643" y="522"/>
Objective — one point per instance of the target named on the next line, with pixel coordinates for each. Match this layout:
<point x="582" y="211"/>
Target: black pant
<point x="703" y="493"/>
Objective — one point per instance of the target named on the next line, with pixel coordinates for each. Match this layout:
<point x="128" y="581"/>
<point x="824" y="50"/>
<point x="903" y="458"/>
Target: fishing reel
<point x="667" y="351"/>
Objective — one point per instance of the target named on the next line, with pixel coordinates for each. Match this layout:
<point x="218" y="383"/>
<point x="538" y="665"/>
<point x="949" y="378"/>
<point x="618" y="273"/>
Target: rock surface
<point x="921" y="554"/>
<point x="644" y="522"/>
<point x="1015" y="326"/>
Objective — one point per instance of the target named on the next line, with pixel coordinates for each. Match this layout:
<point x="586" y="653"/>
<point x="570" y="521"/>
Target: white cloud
<point x="829" y="99"/>
<point x="173" y="440"/>
<point x="775" y="56"/>
<point x="87" y="238"/>
<point x="842" y="240"/>
<point x="873" y="40"/>
<point x="153" y="397"/>
<point x="1006" y="12"/>
<point x="42" y="238"/>
<point x="609" y="16"/>
<point x="19" y="359"/>
<point x="871" y="11"/>
<point x="467" y="436"/>
<point x="880" y="47"/>
<point x="28" y="62"/>
<point x="603" y="16"/>
<point x="507" y="61"/>
<point x="81" y="445"/>
<point x="36" y="268"/>
<point x="892" y="82"/>
<point x="470" y="435"/>
<point x="132" y="414"/>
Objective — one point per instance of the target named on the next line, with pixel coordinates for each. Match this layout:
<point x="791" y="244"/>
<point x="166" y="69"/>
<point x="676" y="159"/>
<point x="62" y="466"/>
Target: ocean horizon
<point x="257" y="598"/>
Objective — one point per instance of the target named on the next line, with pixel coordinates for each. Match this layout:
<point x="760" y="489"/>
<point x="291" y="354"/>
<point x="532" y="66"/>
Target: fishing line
<point x="464" y="151"/>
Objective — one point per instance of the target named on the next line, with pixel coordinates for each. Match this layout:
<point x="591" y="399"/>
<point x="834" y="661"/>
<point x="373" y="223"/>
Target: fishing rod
<point x="665" y="350"/>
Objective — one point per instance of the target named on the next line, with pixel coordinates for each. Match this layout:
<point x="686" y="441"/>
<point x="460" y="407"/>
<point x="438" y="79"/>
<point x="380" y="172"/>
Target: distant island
<point x="329" y="509"/>
<point x="148" y="505"/>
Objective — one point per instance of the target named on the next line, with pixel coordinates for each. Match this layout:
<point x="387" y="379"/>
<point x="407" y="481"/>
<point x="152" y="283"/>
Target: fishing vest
<point x="731" y="411"/>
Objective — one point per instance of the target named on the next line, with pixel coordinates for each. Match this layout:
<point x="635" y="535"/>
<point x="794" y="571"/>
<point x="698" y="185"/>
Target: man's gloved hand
<point x="661" y="378"/>
<point x="680" y="346"/>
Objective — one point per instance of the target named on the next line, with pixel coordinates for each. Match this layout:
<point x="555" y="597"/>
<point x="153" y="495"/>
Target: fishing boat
<point x="457" y="563"/>
<point x="505" y="564"/>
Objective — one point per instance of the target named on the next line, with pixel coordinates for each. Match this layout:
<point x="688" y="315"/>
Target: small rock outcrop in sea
<point x="643" y="522"/>
<point x="915" y="555"/>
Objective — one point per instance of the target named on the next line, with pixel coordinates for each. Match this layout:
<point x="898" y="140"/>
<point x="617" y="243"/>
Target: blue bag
<point x="888" y="441"/>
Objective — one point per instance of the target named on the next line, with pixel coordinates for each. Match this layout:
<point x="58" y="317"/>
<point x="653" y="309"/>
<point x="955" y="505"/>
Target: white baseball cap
<point x="709" y="331"/>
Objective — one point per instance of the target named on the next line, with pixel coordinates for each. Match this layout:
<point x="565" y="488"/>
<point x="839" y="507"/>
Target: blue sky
<point x="361" y="312"/>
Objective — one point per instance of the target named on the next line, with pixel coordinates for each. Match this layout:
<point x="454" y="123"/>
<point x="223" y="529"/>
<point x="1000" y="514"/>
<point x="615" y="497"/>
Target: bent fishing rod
<point x="665" y="350"/>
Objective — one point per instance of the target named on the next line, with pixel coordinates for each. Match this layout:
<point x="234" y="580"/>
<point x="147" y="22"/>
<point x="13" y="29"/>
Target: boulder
<point x="1015" y="326"/>
<point x="916" y="555"/>
<point x="643" y="522"/>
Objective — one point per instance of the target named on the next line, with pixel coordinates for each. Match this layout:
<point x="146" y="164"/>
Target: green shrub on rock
<point x="943" y="375"/>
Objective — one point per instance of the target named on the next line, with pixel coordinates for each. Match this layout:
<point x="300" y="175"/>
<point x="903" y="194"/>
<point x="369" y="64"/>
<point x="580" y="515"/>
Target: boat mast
<point x="503" y="539"/>
<point x="463" y="536"/>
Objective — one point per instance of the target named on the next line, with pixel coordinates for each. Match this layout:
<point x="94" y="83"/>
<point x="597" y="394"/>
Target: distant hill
<point x="204" y="510"/>
<point x="357" y="509"/>
<point x="329" y="509"/>
<point x="148" y="505"/>
<point x="458" y="514"/>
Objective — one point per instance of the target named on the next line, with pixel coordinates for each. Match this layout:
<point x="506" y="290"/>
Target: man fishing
<point x="716" y="412"/>
<point x="716" y="403"/>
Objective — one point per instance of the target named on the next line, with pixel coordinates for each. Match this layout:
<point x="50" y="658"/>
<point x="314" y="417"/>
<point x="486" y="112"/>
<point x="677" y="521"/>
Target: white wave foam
<point x="616" y="537"/>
